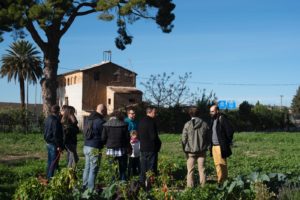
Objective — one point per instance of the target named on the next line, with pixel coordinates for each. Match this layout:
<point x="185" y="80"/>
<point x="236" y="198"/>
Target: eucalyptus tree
<point x="53" y="18"/>
<point x="21" y="63"/>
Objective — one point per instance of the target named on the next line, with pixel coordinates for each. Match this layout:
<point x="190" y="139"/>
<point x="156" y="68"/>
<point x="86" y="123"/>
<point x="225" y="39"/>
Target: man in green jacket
<point x="196" y="136"/>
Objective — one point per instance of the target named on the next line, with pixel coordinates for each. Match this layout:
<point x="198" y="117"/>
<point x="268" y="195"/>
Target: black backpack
<point x="88" y="132"/>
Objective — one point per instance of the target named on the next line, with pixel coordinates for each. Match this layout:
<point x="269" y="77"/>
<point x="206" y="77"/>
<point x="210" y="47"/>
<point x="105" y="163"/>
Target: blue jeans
<point x="91" y="168"/>
<point x="148" y="161"/>
<point x="53" y="160"/>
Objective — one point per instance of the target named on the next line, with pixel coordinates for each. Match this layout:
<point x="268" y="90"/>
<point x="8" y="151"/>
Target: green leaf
<point x="231" y="187"/>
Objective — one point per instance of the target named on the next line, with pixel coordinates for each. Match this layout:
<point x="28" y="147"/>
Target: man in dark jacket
<point x="222" y="134"/>
<point x="115" y="135"/>
<point x="53" y="135"/>
<point x="149" y="144"/>
<point x="92" y="146"/>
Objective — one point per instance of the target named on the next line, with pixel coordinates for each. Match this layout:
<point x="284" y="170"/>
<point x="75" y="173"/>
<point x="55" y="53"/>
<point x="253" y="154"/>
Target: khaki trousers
<point x="220" y="164"/>
<point x="200" y="158"/>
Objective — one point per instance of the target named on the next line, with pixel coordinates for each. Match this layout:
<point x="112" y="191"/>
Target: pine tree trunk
<point x="49" y="81"/>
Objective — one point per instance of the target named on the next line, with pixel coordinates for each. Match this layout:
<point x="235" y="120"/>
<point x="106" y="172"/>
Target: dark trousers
<point x="122" y="160"/>
<point x="148" y="163"/>
<point x="134" y="166"/>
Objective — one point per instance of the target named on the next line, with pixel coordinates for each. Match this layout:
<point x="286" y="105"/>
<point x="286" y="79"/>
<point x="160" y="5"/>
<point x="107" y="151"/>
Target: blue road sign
<point x="222" y="104"/>
<point x="231" y="105"/>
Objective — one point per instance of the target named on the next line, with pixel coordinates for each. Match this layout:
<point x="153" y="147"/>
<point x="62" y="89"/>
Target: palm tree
<point x="22" y="63"/>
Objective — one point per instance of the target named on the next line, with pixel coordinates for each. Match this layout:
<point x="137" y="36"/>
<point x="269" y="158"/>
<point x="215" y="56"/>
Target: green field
<point x="23" y="156"/>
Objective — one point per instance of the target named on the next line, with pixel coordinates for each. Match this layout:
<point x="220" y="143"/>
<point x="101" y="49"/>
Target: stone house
<point x="107" y="83"/>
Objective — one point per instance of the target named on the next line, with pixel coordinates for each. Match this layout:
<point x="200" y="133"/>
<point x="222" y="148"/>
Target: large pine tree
<point x="48" y="20"/>
<point x="296" y="102"/>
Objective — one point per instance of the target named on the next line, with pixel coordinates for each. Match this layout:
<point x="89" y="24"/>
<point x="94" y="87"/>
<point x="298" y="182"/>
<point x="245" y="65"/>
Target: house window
<point x="133" y="79"/>
<point x="109" y="101"/>
<point x="96" y="76"/>
<point x="66" y="100"/>
<point x="131" y="100"/>
<point x="68" y="81"/>
<point x="116" y="76"/>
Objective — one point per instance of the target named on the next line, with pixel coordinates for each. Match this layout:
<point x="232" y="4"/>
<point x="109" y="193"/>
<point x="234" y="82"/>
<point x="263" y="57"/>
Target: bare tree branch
<point x="140" y="14"/>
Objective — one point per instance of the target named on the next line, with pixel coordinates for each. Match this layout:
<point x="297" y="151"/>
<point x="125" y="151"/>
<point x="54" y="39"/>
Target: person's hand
<point x="59" y="149"/>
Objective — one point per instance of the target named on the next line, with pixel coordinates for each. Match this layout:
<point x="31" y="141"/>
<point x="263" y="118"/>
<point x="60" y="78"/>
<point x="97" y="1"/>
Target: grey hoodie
<point x="196" y="137"/>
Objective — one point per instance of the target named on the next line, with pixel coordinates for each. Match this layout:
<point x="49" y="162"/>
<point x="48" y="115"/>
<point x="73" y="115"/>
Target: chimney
<point x="106" y="56"/>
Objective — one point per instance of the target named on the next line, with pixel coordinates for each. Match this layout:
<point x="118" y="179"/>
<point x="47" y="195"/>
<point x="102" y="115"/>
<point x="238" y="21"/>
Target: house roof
<point x="95" y="66"/>
<point x="125" y="90"/>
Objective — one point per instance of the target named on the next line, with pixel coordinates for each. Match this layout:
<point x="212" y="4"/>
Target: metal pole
<point x="281" y="96"/>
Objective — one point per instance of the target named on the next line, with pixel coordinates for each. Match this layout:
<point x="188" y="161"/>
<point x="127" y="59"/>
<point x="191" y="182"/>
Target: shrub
<point x="17" y="120"/>
<point x="289" y="193"/>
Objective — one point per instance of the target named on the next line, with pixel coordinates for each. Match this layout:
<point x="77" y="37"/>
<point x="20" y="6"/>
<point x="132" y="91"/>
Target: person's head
<point x="194" y="112"/>
<point x="63" y="109"/>
<point x="101" y="109"/>
<point x="72" y="110"/>
<point x="151" y="111"/>
<point x="55" y="109"/>
<point x="72" y="116"/>
<point x="131" y="114"/>
<point x="118" y="114"/>
<point x="133" y="134"/>
<point x="66" y="117"/>
<point x="214" y="111"/>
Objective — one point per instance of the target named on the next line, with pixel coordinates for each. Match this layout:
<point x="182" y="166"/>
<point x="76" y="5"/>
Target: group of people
<point x="123" y="138"/>
<point x="134" y="146"/>
<point x="61" y="128"/>
<point x="198" y="137"/>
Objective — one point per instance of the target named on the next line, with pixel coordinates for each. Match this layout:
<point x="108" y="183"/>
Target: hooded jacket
<point x="115" y="134"/>
<point x="196" y="136"/>
<point x="98" y="121"/>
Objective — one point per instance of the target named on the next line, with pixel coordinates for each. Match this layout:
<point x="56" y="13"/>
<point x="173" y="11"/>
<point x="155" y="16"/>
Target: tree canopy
<point x="21" y="63"/>
<point x="55" y="17"/>
<point x="296" y="102"/>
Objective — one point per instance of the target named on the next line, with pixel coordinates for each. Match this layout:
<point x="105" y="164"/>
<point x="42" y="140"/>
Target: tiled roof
<point x="127" y="90"/>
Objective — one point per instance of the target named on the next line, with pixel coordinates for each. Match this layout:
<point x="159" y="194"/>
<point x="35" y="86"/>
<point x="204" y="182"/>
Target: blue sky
<point x="241" y="50"/>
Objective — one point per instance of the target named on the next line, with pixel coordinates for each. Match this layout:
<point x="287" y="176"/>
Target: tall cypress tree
<point x="296" y="102"/>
